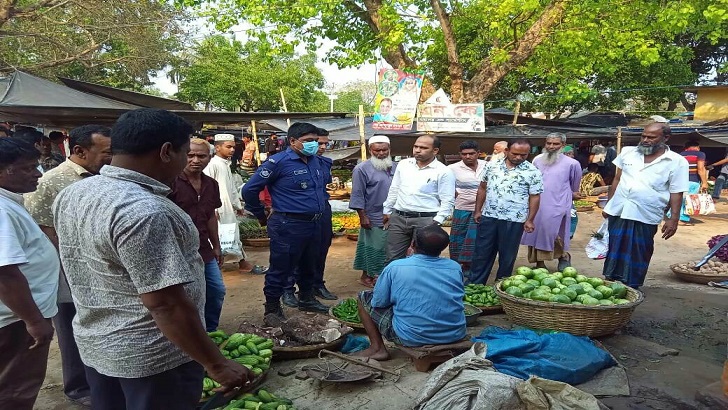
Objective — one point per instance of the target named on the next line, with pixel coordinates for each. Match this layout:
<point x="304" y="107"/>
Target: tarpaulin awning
<point x="131" y="97"/>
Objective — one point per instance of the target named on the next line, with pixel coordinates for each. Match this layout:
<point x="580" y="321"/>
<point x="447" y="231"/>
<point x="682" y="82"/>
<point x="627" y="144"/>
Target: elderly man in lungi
<point x="370" y="184"/>
<point x="650" y="179"/>
<point x="468" y="173"/>
<point x="561" y="178"/>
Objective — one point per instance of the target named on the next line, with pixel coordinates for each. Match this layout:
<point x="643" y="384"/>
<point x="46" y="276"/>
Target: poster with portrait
<point x="451" y="117"/>
<point x="395" y="105"/>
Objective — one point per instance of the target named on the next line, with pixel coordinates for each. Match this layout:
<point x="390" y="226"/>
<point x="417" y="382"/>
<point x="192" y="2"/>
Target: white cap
<point x="224" y="137"/>
<point x="376" y="139"/>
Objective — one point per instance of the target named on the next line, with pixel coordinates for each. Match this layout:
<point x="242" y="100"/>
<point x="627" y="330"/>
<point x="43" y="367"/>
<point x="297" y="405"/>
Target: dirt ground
<point x="687" y="317"/>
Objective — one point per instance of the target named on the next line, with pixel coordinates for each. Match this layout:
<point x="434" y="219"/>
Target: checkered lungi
<point x="382" y="317"/>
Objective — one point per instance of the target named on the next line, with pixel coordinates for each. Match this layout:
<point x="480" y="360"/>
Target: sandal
<point x="564" y="263"/>
<point x="257" y="270"/>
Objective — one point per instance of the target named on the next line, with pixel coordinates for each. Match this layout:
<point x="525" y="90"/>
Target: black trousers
<point x="74" y="373"/>
<point x="179" y="388"/>
<point x="495" y="236"/>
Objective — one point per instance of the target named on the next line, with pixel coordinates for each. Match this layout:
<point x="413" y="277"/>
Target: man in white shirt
<point x="650" y="180"/>
<point x="464" y="230"/>
<point x="219" y="170"/>
<point x="422" y="193"/>
<point x="29" y="273"/>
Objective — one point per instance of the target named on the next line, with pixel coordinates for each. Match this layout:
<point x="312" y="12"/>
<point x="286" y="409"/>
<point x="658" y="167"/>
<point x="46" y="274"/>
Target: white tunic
<point x="219" y="170"/>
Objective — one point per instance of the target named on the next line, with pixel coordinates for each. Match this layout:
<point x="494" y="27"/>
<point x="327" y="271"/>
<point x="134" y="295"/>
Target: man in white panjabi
<point x="219" y="170"/>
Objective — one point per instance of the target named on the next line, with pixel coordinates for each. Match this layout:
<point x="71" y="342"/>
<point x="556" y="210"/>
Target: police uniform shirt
<point x="295" y="186"/>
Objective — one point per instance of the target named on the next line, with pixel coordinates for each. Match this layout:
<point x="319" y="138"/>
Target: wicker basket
<point x="304" y="352"/>
<point x="257" y="242"/>
<point x="579" y="320"/>
<point x="350" y="324"/>
<point x="689" y="275"/>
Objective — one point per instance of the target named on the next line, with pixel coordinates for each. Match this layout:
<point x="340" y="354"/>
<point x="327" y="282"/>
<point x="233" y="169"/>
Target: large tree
<point x="481" y="42"/>
<point x="226" y="74"/>
<point x="115" y="42"/>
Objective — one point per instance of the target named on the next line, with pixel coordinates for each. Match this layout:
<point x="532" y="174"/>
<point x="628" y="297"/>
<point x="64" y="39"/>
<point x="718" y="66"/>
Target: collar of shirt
<point x="668" y="155"/>
<point x="12" y="196"/>
<point x="152" y="184"/>
<point x="478" y="168"/>
<point x="81" y="171"/>
<point x="219" y="158"/>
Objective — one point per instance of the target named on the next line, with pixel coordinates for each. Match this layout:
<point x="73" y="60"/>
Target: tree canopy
<point x="561" y="51"/>
<point x="227" y="74"/>
<point x="118" y="43"/>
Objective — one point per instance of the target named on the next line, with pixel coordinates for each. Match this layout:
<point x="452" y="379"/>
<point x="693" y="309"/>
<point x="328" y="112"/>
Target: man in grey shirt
<point x="132" y="263"/>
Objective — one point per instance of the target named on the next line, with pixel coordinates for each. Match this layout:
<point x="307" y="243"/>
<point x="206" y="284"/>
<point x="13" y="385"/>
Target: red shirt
<point x="200" y="207"/>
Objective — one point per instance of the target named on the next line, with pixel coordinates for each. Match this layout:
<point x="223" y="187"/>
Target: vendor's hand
<point x="231" y="375"/>
<point x="365" y="222"/>
<point x="669" y="228"/>
<point x="577" y="195"/>
<point x="477" y="217"/>
<point x="263" y="221"/>
<point x="41" y="332"/>
<point x="385" y="221"/>
<point x="704" y="187"/>
<point x="529" y="226"/>
<point x="218" y="256"/>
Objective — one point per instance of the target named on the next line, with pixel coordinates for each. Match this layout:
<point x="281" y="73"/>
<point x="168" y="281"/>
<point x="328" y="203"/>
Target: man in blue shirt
<point x="295" y="179"/>
<point x="417" y="301"/>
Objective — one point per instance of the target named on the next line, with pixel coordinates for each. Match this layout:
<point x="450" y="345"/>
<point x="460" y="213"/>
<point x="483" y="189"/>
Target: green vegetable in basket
<point x="347" y="310"/>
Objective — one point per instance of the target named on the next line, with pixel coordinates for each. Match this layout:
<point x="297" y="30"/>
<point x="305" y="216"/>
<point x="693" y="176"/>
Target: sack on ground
<point x="537" y="394"/>
<point x="598" y="245"/>
<point x="698" y="204"/>
<point x="226" y="232"/>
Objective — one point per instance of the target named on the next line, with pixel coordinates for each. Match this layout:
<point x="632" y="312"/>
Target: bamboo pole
<point x="516" y="112"/>
<point x="255" y="141"/>
<point x="362" y="139"/>
<point x="619" y="139"/>
<point x="285" y="109"/>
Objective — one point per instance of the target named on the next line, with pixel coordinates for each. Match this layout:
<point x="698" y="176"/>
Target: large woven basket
<point x="689" y="275"/>
<point x="579" y="320"/>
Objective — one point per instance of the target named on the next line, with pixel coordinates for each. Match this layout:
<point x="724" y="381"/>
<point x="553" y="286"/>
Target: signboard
<point x="451" y="117"/>
<point x="395" y="105"/>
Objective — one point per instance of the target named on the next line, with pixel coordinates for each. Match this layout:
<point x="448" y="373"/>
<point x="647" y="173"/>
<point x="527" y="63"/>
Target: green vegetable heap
<point x="567" y="287"/>
<point x="348" y="311"/>
<point x="481" y="295"/>
<point x="262" y="400"/>
<point x="251" y="351"/>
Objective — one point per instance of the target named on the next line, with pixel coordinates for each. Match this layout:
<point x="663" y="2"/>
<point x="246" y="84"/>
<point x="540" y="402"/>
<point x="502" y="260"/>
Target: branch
<point x="489" y="73"/>
<point x="455" y="69"/>
<point x="62" y="61"/>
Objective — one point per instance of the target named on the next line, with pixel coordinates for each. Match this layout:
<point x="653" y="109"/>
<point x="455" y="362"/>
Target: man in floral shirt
<point x="505" y="206"/>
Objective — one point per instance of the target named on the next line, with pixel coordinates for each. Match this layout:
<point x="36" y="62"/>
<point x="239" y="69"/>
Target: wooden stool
<point x="424" y="357"/>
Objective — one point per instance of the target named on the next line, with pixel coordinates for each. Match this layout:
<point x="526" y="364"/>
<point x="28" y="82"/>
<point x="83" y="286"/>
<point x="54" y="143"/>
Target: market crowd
<point x="114" y="237"/>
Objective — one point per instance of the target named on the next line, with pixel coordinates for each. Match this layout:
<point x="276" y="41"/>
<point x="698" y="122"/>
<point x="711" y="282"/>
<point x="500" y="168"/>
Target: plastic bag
<point x="698" y="204"/>
<point x="226" y="232"/>
<point x="598" y="245"/>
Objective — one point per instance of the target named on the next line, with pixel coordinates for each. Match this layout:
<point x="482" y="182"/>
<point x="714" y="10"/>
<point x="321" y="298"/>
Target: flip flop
<point x="257" y="270"/>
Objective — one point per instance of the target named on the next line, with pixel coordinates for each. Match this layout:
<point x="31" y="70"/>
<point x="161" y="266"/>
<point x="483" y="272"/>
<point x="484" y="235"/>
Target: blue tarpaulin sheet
<point x="555" y="356"/>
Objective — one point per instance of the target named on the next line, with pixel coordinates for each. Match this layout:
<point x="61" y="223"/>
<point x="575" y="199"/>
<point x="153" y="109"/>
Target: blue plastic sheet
<point x="355" y="344"/>
<point x="555" y="356"/>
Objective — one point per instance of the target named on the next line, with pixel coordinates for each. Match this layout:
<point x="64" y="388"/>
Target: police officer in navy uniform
<point x="296" y="181"/>
<point x="319" y="286"/>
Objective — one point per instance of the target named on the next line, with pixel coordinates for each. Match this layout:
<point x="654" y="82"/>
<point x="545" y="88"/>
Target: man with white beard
<point x="561" y="178"/>
<point x="650" y="179"/>
<point x="370" y="184"/>
<point x="498" y="152"/>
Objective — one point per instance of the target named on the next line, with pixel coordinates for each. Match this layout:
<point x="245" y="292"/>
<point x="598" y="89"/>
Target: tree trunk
<point x="671" y="105"/>
<point x="490" y="73"/>
<point x="455" y="69"/>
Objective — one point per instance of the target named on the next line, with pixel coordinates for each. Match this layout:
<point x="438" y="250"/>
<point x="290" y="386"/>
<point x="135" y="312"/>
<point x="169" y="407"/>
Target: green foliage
<point x="226" y="74"/>
<point x="597" y="44"/>
<point x="116" y="43"/>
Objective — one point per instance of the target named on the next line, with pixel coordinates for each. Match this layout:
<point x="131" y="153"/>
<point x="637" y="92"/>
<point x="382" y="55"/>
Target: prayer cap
<point x="376" y="139"/>
<point x="224" y="137"/>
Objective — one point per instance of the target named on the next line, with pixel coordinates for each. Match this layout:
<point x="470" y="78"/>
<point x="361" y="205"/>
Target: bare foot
<point x="378" y="354"/>
<point x="245" y="266"/>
